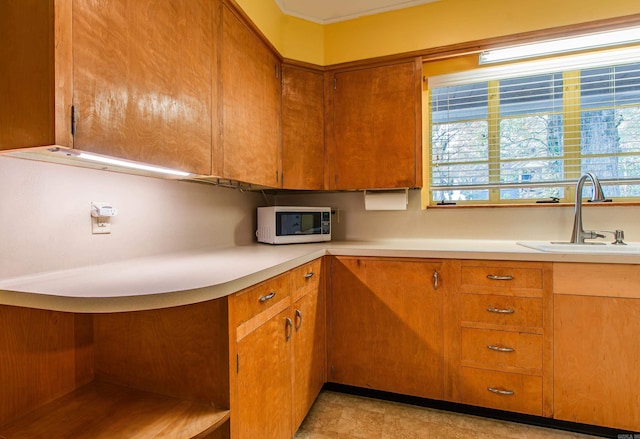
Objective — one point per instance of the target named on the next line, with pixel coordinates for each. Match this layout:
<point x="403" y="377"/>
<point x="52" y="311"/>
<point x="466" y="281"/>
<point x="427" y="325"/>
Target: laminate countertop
<point x="188" y="277"/>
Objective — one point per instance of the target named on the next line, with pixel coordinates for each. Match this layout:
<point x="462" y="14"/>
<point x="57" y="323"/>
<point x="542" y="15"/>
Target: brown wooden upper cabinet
<point x="373" y="127"/>
<point x="251" y="96"/>
<point x="302" y="128"/>
<point x="116" y="73"/>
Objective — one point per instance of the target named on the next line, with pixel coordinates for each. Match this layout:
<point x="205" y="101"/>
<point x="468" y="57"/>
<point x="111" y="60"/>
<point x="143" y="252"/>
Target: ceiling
<point x="331" y="11"/>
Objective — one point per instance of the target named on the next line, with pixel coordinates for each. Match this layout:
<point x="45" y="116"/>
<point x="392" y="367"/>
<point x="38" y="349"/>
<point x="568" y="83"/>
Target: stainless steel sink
<point x="586" y="248"/>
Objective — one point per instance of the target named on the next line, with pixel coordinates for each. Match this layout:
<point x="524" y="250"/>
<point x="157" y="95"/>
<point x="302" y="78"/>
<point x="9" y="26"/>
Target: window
<point x="523" y="133"/>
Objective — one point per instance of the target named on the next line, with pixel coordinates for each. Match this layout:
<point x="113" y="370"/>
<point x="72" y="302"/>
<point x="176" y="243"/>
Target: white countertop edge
<point x="206" y="276"/>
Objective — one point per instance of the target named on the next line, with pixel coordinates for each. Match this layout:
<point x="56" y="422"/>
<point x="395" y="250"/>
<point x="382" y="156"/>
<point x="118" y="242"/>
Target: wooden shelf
<point x="101" y="410"/>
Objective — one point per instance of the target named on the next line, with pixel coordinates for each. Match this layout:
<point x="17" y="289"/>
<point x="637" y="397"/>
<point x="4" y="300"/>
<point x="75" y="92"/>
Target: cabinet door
<point x="596" y="357"/>
<point x="309" y="353"/>
<point x="251" y="95"/>
<point x="302" y="128"/>
<point x="375" y="129"/>
<point x="386" y="326"/>
<point x="264" y="380"/>
<point x="139" y="94"/>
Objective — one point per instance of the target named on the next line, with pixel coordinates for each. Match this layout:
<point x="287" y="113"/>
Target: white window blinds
<point x="527" y="133"/>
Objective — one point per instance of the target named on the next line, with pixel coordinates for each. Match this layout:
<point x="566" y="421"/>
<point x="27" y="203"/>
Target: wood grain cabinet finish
<point x="251" y="104"/>
<point x="302" y="128"/>
<point x="278" y="355"/>
<point x="499" y="336"/>
<point x="596" y="345"/>
<point x="122" y="66"/>
<point x="309" y="339"/>
<point x="373" y="127"/>
<point x="385" y="324"/>
<point x="156" y="373"/>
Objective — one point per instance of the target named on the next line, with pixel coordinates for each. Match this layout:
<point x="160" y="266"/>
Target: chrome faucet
<point x="579" y="235"/>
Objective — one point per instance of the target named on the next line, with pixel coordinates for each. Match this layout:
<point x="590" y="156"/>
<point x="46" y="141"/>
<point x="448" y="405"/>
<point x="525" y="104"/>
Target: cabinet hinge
<point x="335" y="83"/>
<point x="277" y="71"/>
<point x="237" y="363"/>
<point x="73" y="120"/>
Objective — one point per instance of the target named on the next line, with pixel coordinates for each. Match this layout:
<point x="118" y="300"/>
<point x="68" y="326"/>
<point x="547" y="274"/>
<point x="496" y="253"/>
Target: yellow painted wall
<point x="431" y="25"/>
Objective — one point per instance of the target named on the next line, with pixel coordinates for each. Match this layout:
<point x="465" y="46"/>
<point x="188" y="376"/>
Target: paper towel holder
<point x="386" y="199"/>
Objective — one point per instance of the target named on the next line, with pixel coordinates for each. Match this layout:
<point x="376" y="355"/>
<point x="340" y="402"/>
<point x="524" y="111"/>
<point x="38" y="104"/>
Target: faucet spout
<point x="579" y="235"/>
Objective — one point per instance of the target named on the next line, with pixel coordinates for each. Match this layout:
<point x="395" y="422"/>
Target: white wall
<point x="521" y="223"/>
<point x="45" y="216"/>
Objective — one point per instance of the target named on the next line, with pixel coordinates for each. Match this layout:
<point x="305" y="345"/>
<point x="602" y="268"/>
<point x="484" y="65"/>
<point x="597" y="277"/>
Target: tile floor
<point x="340" y="416"/>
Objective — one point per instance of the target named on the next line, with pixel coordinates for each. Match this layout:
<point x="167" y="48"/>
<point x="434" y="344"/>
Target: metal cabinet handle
<point x="309" y="275"/>
<point x="269" y="296"/>
<point x="500" y="311"/>
<point x="298" y="320"/>
<point x="496" y="277"/>
<point x="500" y="391"/>
<point x="500" y="348"/>
<point x="436" y="280"/>
<point x="288" y="329"/>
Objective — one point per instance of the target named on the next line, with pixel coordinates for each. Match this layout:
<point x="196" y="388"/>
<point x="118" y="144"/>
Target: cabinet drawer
<point x="254" y="300"/>
<point x="501" y="390"/>
<point x="502" y="278"/>
<point x="306" y="278"/>
<point x="502" y="349"/>
<point x="524" y="313"/>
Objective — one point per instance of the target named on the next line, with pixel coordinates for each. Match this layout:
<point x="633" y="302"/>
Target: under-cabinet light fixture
<point x="132" y="165"/>
<point x="562" y="45"/>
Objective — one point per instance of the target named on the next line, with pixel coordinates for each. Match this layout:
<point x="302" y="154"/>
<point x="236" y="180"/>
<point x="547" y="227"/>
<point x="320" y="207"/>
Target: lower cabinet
<point x="597" y="345"/>
<point x="277" y="339"/>
<point x="385" y="325"/>
<point x="499" y="336"/>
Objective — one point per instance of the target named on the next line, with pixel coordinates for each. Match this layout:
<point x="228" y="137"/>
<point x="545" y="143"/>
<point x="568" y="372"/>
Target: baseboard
<point x="538" y="421"/>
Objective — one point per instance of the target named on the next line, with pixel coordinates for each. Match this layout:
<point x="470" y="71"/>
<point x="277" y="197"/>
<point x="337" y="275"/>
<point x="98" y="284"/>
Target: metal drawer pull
<point x="288" y="329"/>
<point x="298" y="320"/>
<point x="436" y="280"/>
<point x="309" y="275"/>
<point x="500" y="348"/>
<point x="495" y="277"/>
<point x="500" y="391"/>
<point x="271" y="295"/>
<point x="500" y="311"/>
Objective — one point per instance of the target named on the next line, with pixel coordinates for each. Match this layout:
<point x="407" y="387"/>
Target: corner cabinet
<point x="110" y="78"/>
<point x="596" y="344"/>
<point x="250" y="87"/>
<point x="374" y="126"/>
<point x="302" y="127"/>
<point x="385" y="324"/>
<point x="277" y="339"/>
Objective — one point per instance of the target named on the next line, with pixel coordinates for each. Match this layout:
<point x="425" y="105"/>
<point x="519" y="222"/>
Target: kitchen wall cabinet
<point x="250" y="86"/>
<point x="135" y="374"/>
<point x="116" y="74"/>
<point x="277" y="333"/>
<point x="302" y="127"/>
<point x="373" y="126"/>
<point x="386" y="324"/>
<point x="499" y="336"/>
<point x="596" y="348"/>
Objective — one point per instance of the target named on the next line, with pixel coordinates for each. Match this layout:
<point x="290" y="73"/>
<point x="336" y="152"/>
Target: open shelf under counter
<point x="102" y="410"/>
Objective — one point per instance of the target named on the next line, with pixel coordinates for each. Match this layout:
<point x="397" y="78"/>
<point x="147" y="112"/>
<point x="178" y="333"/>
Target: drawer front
<point x="501" y="390"/>
<point x="252" y="301"/>
<point x="306" y="278"/>
<point x="502" y="350"/>
<point x="508" y="311"/>
<point x="502" y="278"/>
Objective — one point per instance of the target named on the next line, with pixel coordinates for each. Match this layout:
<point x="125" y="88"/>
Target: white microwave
<point x="293" y="224"/>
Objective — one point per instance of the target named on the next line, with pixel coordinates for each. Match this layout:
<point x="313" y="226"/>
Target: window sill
<point x="533" y="204"/>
